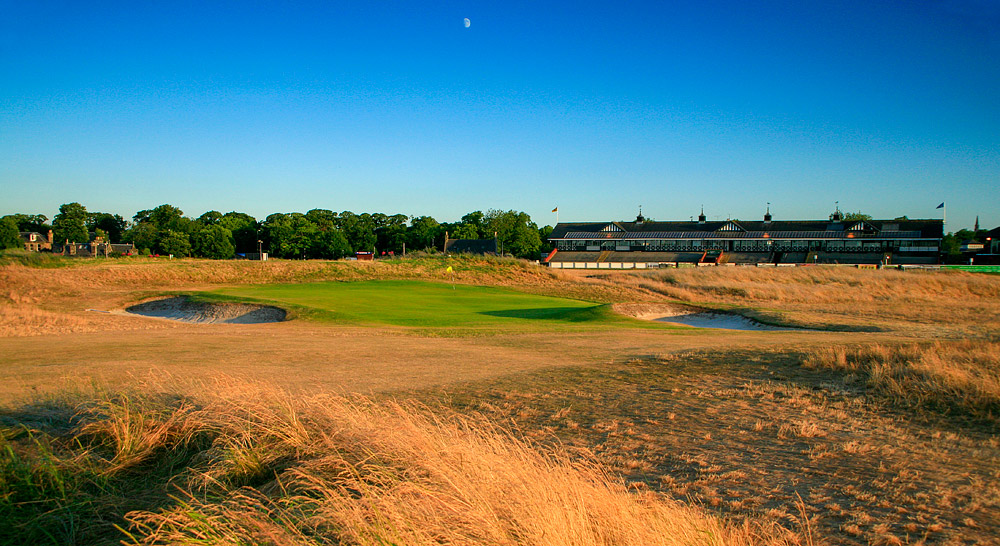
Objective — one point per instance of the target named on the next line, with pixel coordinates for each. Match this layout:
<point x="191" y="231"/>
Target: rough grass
<point x="955" y="378"/>
<point x="927" y="303"/>
<point x="747" y="434"/>
<point x="248" y="464"/>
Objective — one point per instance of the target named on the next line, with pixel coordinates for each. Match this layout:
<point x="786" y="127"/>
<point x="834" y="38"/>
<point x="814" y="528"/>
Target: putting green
<point x="424" y="304"/>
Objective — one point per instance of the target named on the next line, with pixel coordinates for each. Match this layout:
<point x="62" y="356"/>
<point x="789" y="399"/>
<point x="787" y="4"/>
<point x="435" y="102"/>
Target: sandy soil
<point x="690" y="316"/>
<point x="184" y="309"/>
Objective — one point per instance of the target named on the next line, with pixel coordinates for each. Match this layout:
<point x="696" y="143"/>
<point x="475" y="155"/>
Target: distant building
<point x="642" y="244"/>
<point x="36" y="242"/>
<point x="470" y="246"/>
<point x="99" y="247"/>
<point x="985" y="253"/>
<point x="993" y="241"/>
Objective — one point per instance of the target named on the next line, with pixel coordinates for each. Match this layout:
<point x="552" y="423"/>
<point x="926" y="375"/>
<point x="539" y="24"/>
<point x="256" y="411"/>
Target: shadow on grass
<point x="745" y="432"/>
<point x="563" y="314"/>
<point x="57" y="485"/>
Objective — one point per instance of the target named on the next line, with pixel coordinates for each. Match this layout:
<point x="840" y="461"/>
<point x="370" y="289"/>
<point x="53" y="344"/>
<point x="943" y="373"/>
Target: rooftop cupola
<point x="640" y="219"/>
<point x="836" y="216"/>
<point x="767" y="215"/>
<point x="701" y="217"/>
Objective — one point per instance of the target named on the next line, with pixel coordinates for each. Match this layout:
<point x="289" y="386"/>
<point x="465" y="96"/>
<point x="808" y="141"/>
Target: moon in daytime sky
<point x="467" y="22"/>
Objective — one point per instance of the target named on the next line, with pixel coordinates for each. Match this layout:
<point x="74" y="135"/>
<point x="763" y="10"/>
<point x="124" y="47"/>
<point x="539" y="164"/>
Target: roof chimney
<point x="701" y="217"/>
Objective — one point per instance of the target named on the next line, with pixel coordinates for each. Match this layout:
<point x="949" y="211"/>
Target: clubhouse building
<point x="641" y="244"/>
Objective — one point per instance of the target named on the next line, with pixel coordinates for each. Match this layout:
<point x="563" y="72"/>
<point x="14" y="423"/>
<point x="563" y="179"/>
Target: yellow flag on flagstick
<point x="449" y="269"/>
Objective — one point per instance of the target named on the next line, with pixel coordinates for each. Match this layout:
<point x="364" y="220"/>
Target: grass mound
<point x="252" y="465"/>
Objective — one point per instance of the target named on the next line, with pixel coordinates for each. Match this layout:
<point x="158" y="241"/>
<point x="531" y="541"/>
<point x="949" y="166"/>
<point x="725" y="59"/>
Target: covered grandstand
<point x="642" y="244"/>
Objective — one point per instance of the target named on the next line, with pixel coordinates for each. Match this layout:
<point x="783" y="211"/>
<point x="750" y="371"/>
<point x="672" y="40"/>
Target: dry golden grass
<point x="268" y="468"/>
<point x="960" y="377"/>
<point x="746" y="434"/>
<point x="925" y="303"/>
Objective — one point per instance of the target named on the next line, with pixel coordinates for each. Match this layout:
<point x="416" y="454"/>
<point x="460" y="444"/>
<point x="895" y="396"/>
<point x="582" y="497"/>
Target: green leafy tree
<point x="391" y="232"/>
<point x="516" y="233"/>
<point x="465" y="231"/>
<point x="951" y="246"/>
<point x="330" y="244"/>
<point x="359" y="230"/>
<point x="112" y="225"/>
<point x="301" y="242"/>
<point x="322" y="217"/>
<point x="290" y="235"/>
<point x="173" y="242"/>
<point x="210" y="218"/>
<point x="215" y="242"/>
<point x="476" y="220"/>
<point x="9" y="234"/>
<point x="164" y="217"/>
<point x="277" y="230"/>
<point x="245" y="229"/>
<point x="544" y="233"/>
<point x="424" y="232"/>
<point x="30" y="222"/>
<point x="143" y="235"/>
<point x="71" y="224"/>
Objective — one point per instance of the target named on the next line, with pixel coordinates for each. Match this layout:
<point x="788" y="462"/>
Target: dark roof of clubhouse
<point x="741" y="229"/>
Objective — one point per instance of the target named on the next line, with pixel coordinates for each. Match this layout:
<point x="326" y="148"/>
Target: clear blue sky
<point x="888" y="107"/>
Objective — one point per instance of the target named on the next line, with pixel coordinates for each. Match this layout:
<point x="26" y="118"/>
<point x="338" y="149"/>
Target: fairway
<point x="424" y="304"/>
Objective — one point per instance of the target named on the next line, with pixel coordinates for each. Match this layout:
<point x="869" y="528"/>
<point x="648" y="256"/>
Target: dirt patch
<point x="690" y="316"/>
<point x="184" y="309"/>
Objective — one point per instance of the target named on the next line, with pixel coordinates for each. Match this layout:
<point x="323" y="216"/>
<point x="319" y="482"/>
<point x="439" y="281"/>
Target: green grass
<point x="431" y="305"/>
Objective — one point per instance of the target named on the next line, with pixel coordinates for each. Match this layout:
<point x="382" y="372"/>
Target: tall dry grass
<point x="935" y="303"/>
<point x="253" y="465"/>
<point x="960" y="378"/>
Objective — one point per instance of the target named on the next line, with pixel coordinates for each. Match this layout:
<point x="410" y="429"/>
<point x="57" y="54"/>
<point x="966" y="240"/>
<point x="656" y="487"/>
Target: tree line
<point x="318" y="233"/>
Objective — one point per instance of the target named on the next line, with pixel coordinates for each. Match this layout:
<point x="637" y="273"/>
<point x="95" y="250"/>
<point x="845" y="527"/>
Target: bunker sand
<point x="185" y="310"/>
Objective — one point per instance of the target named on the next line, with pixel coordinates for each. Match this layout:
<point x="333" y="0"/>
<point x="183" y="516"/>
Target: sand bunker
<point x="183" y="309"/>
<point x="691" y="316"/>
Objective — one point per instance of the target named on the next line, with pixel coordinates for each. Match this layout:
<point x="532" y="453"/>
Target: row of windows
<point x="748" y="245"/>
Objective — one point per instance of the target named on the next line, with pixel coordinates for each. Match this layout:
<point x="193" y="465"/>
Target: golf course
<point x="430" y="305"/>
<point x="468" y="400"/>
